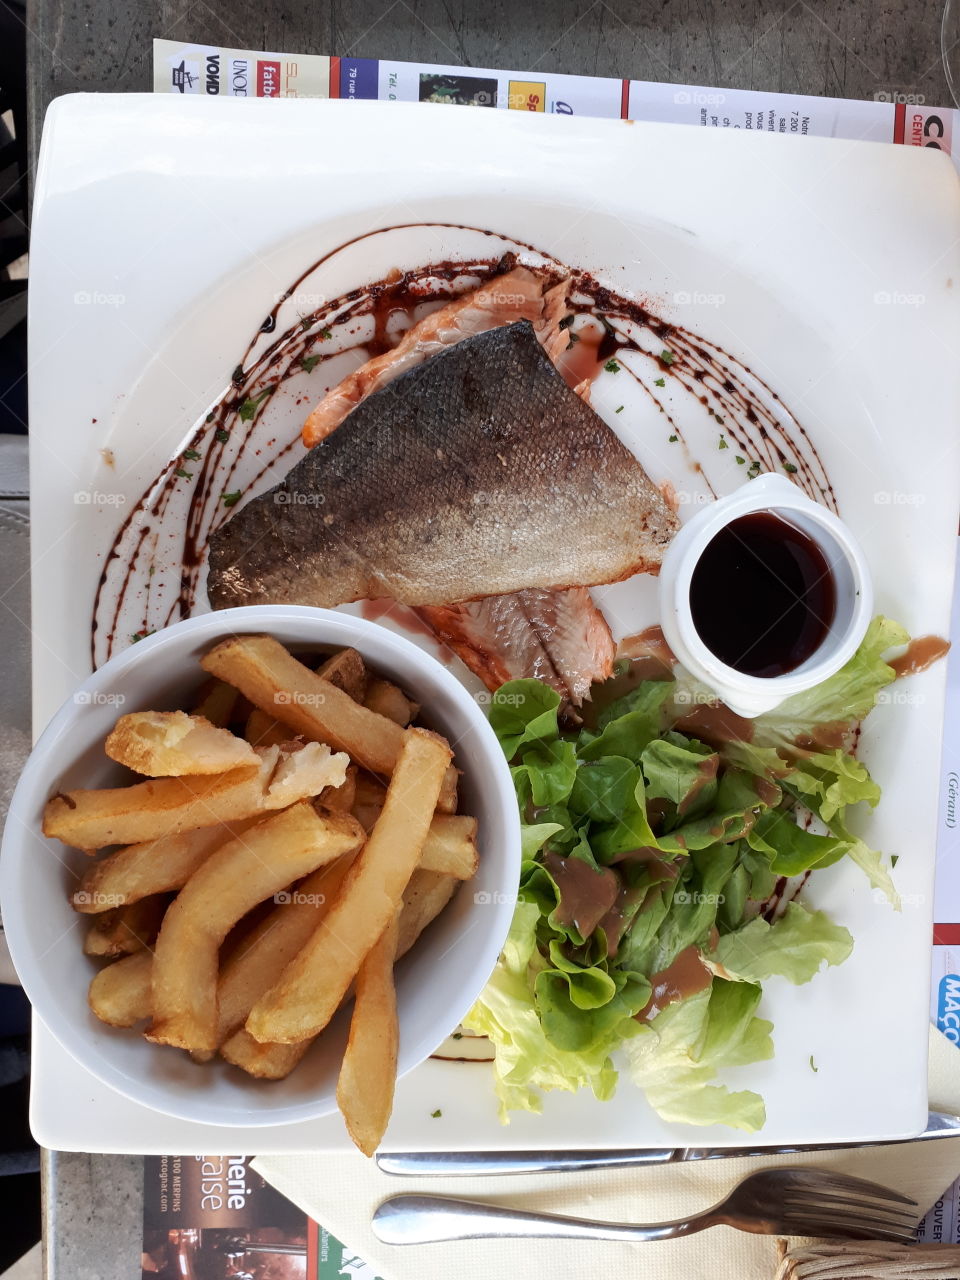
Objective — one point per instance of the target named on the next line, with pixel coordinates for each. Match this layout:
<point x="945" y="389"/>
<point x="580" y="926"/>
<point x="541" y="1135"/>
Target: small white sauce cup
<point x="752" y="695"/>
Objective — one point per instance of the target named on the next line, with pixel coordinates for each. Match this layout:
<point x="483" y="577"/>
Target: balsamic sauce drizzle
<point x="746" y="409"/>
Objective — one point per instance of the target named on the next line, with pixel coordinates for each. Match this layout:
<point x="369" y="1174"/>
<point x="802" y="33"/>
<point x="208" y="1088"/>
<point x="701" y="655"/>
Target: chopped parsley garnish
<point x="249" y="407"/>
<point x="435" y="1115"/>
<point x="672" y="439"/>
<point x="791" y="467"/>
<point x="209" y="417"/>
<point x="813" y="1065"/>
<point x="659" y="382"/>
<point x="231" y="499"/>
<point x="667" y="357"/>
<point x="324" y="334"/>
<point x="740" y="461"/>
<point x="457" y="1035"/>
<point x="306" y="322"/>
<point x="140" y="635"/>
<point x="237" y="375"/>
<point x="191" y="455"/>
<point x="310" y="362"/>
<point x="221" y="435"/>
<point x="619" y="409"/>
<point x="754" y="469"/>
<point x="184" y="475"/>
<point x="612" y="367"/>
<point x="566" y="322"/>
<point x="723" y="444"/>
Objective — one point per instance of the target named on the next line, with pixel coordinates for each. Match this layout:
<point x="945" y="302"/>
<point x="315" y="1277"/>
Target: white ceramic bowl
<point x="752" y="695"/>
<point x="437" y="981"/>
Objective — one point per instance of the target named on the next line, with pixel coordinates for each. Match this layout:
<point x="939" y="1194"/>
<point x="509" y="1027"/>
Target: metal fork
<point x="790" y="1202"/>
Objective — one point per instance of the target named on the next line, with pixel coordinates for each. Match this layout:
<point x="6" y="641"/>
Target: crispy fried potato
<point x="156" y="866"/>
<point x="425" y="896"/>
<point x="122" y="930"/>
<point x="262" y="669"/>
<point x="343" y="797"/>
<point x="370" y="790"/>
<point x="387" y="700"/>
<point x="262" y="730"/>
<point x="450" y="846"/>
<point x="165" y="744"/>
<point x="265" y="1061"/>
<point x="449" y="797"/>
<point x="166" y="806"/>
<point x="368" y="1073"/>
<point x="217" y="702"/>
<point x="312" y="986"/>
<point x="346" y="669"/>
<point x="259" y="962"/>
<point x="120" y="994"/>
<point x="242" y="873"/>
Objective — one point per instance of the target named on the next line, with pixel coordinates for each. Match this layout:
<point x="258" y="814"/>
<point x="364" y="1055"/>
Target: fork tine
<point x="821" y="1180"/>
<point x="874" y="1208"/>
<point x="824" y="1224"/>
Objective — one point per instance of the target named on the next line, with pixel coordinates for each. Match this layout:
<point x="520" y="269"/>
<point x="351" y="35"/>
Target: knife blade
<point x="456" y="1164"/>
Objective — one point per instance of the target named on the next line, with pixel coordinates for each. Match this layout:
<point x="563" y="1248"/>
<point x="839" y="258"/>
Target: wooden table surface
<point x="838" y="48"/>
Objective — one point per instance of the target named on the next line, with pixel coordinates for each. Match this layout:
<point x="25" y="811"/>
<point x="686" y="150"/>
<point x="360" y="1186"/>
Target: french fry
<point x="450" y="846"/>
<point x="346" y="669"/>
<point x="263" y="670"/>
<point x="259" y="962"/>
<point x="263" y="731"/>
<point x="122" y="930"/>
<point x="449" y="798"/>
<point x="265" y="1061"/>
<point x="387" y="700"/>
<point x="343" y="797"/>
<point x="370" y="790"/>
<point x="242" y="873"/>
<point x="427" y="893"/>
<point x="217" y="702"/>
<point x="368" y="1073"/>
<point x="120" y="994"/>
<point x="313" y="984"/>
<point x="160" y="807"/>
<point x="155" y="866"/>
<point x="172" y="744"/>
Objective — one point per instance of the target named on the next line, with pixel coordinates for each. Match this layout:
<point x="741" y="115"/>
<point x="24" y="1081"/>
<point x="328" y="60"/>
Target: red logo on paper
<point x="268" y="79"/>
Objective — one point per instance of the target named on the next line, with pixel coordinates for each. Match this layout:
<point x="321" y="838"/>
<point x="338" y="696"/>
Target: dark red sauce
<point x="762" y="595"/>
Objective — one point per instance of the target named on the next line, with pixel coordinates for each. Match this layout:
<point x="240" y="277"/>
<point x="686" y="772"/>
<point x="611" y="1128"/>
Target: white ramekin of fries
<point x="261" y="864"/>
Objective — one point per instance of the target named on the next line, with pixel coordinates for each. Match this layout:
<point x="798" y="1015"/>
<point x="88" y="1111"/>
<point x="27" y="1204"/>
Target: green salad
<point x="650" y="858"/>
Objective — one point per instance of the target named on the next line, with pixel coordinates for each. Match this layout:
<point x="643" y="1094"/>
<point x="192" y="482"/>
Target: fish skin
<point x="476" y="473"/>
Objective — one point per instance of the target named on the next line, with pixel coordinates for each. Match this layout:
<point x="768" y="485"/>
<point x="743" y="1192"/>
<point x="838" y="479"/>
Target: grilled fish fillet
<point x="476" y="473"/>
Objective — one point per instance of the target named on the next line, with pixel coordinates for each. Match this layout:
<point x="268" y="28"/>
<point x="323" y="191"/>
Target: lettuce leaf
<point x="526" y="1060"/>
<point x="794" y="947"/>
<point x="522" y="713"/>
<point x="842" y="699"/>
<point x="681" y="1051"/>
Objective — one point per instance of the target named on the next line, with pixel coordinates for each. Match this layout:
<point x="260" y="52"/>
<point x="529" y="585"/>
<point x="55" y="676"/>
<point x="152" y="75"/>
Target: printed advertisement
<point x="214" y="1218"/>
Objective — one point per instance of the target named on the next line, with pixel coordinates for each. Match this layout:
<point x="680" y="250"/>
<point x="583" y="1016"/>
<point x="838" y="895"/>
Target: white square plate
<point x="165" y="230"/>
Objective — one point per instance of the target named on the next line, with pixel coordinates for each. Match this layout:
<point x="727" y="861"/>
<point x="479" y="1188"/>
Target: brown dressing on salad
<point x="684" y="977"/>
<point x="585" y="895"/>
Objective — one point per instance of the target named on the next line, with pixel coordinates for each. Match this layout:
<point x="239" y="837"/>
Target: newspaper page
<point x="891" y="118"/>
<point x="214" y="1216"/>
